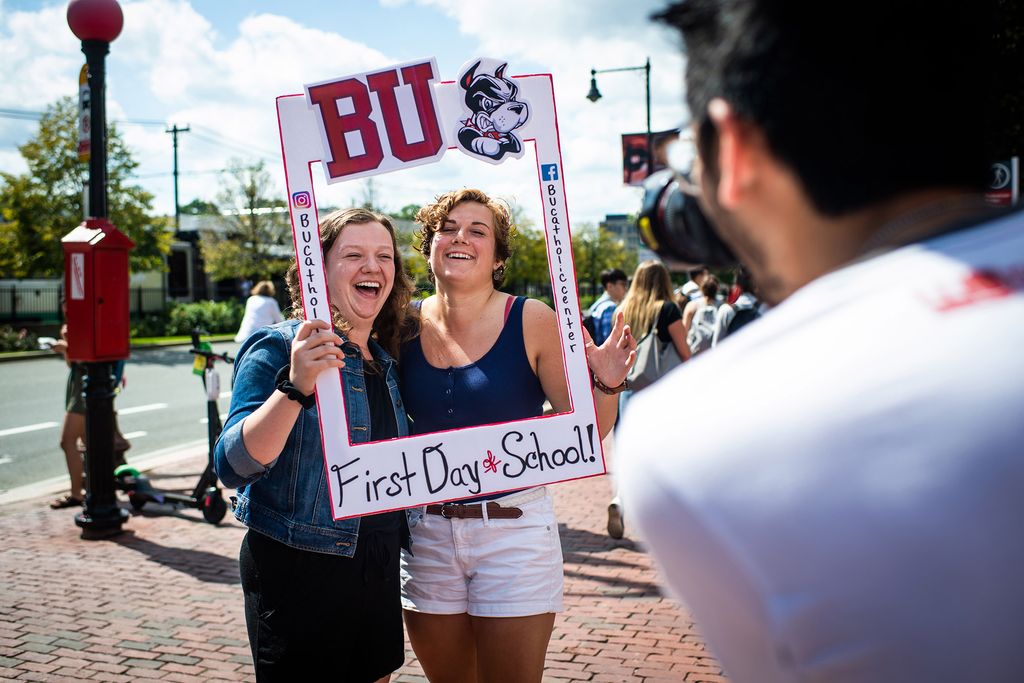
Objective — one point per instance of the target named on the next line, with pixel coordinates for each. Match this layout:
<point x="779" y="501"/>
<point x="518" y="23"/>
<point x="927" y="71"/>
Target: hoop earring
<point x="499" y="273"/>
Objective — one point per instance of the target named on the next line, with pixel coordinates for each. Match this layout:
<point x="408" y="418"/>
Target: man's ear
<point x="739" y="154"/>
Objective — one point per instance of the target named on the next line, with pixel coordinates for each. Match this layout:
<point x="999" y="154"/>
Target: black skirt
<point x="313" y="614"/>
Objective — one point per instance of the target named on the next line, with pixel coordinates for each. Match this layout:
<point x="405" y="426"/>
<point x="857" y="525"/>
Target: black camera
<point x="673" y="225"/>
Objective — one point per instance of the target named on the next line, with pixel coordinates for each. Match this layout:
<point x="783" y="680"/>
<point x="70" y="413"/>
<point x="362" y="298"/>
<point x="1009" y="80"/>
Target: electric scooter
<point x="207" y="494"/>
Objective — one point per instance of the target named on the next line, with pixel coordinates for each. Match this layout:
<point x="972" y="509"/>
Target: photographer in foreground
<point x="854" y="515"/>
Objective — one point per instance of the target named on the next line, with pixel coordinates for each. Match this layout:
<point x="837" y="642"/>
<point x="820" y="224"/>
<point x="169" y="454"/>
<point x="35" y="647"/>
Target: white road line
<point x="27" y="428"/>
<point x="141" y="409"/>
<point x="204" y="420"/>
<point x="132" y="435"/>
<point x="5" y="459"/>
<point x="225" y="394"/>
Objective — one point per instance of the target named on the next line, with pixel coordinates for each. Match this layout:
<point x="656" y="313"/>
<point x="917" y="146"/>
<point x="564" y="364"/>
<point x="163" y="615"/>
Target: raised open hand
<point x="611" y="361"/>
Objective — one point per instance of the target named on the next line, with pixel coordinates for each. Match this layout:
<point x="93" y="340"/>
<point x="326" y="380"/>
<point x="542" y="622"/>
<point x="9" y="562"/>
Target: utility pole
<point x="174" y="130"/>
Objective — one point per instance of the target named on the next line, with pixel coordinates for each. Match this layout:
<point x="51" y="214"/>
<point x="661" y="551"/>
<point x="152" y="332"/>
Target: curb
<point x="143" y="463"/>
<point x="45" y="353"/>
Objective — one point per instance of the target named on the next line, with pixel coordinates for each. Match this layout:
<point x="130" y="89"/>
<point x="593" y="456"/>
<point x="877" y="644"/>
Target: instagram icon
<point x="301" y="200"/>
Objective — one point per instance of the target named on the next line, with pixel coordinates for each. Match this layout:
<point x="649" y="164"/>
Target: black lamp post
<point x="594" y="95"/>
<point x="96" y="23"/>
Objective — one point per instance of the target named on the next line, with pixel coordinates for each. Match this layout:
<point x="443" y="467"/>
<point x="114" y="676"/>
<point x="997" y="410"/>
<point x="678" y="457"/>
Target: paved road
<point x="162" y="406"/>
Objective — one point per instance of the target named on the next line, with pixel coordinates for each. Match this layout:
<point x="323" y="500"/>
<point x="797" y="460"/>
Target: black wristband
<point x="284" y="385"/>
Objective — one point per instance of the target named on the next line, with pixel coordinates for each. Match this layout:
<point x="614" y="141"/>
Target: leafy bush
<point x="216" y="317"/>
<point x="17" y="340"/>
<point x="152" y="324"/>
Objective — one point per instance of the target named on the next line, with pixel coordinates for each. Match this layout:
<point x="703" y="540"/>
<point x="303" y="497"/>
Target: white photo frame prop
<point x="395" y="118"/>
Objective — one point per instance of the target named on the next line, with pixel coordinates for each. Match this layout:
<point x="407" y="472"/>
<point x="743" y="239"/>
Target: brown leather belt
<point x="474" y="511"/>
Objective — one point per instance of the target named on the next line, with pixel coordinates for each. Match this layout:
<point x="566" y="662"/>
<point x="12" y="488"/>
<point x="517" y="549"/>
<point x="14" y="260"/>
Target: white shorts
<point x="501" y="568"/>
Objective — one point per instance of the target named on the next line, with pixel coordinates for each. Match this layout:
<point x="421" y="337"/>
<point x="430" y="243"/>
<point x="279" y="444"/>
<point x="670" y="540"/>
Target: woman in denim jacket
<point x="321" y="596"/>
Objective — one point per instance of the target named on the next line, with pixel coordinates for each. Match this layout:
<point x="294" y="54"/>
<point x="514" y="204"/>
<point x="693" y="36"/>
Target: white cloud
<point x="570" y="39"/>
<point x="12" y="162"/>
<point x="171" y="64"/>
<point x="37" y="62"/>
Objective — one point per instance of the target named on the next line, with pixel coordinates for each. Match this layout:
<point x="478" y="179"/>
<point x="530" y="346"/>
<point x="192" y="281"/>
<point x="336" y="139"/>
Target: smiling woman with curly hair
<point x="484" y="357"/>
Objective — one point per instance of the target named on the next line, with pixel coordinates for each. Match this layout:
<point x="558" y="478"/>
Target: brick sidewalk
<point x="162" y="601"/>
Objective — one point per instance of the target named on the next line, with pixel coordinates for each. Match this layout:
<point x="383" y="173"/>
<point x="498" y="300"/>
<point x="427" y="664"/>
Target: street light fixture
<point x="594" y="95"/>
<point x="97" y="23"/>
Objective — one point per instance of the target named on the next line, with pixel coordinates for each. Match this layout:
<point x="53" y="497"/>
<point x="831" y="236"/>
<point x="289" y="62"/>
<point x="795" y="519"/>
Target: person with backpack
<point x="651" y="313"/>
<point x="699" y="317"/>
<point x="599" y="317"/>
<point x="746" y="308"/>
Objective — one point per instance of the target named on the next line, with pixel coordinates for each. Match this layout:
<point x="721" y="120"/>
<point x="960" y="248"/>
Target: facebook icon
<point x="549" y="171"/>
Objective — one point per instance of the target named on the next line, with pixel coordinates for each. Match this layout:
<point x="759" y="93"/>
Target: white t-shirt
<point x="259" y="311"/>
<point x="848" y="501"/>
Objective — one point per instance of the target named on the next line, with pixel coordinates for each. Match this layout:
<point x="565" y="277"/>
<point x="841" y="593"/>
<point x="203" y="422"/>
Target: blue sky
<point x="217" y="65"/>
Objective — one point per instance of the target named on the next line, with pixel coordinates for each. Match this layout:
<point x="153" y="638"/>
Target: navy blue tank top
<point x="499" y="387"/>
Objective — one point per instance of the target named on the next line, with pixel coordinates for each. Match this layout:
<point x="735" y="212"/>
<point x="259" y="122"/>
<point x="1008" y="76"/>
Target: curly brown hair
<point x="389" y="327"/>
<point x="433" y="216"/>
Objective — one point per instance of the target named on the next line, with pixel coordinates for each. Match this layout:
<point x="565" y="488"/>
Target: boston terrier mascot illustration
<point x="495" y="112"/>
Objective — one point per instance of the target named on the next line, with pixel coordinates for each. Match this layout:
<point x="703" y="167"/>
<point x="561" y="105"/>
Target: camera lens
<point x="673" y="225"/>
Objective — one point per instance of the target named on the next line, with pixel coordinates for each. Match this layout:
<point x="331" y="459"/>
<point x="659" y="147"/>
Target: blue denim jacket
<point x="288" y="499"/>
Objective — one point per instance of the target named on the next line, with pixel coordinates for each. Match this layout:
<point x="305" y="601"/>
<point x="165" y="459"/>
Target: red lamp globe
<point x="95" y="19"/>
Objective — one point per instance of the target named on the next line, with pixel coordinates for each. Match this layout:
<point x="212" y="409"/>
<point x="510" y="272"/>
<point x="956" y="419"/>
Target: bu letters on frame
<point x="397" y="118"/>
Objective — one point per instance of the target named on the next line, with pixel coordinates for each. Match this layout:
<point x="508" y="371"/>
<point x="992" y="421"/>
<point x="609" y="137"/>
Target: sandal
<point x="67" y="501"/>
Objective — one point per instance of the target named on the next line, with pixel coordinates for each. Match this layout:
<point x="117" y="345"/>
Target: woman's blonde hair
<point x="263" y="288"/>
<point x="389" y="327"/>
<point x="433" y="216"/>
<point x="651" y="287"/>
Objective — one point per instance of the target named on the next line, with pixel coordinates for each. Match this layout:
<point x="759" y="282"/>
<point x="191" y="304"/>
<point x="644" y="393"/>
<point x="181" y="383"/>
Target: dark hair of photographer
<point x="857" y="123"/>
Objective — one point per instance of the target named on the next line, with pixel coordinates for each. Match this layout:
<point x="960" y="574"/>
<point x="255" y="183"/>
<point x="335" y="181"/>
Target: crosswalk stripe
<point x="141" y="409"/>
<point x="27" y="428"/>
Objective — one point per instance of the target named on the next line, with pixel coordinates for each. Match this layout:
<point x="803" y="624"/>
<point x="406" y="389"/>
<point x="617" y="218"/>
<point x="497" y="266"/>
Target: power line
<point x="28" y="115"/>
<point x="164" y="174"/>
<point x="20" y="114"/>
<point x="212" y="137"/>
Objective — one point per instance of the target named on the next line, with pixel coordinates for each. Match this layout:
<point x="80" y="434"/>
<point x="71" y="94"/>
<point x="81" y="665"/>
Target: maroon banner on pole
<point x="634" y="154"/>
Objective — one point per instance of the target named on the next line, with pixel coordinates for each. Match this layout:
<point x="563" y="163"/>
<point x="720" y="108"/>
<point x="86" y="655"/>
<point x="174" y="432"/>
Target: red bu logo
<point x="350" y="121"/>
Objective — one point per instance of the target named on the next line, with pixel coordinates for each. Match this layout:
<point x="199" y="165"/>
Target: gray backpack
<point x="702" y="329"/>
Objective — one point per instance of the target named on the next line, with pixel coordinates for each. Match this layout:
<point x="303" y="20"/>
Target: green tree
<point x="595" y="249"/>
<point x="412" y="259"/>
<point x="408" y="212"/>
<point x="254" y="236"/>
<point x="199" y="207"/>
<point x="369" y="201"/>
<point x="529" y="262"/>
<point x="39" y="207"/>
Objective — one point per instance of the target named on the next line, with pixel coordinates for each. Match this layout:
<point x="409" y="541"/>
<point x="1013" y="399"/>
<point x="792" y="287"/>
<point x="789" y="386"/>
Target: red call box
<point x="96" y="291"/>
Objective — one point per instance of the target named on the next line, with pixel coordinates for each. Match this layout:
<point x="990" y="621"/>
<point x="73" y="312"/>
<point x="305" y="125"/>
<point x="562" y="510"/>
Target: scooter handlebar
<point x="210" y="354"/>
